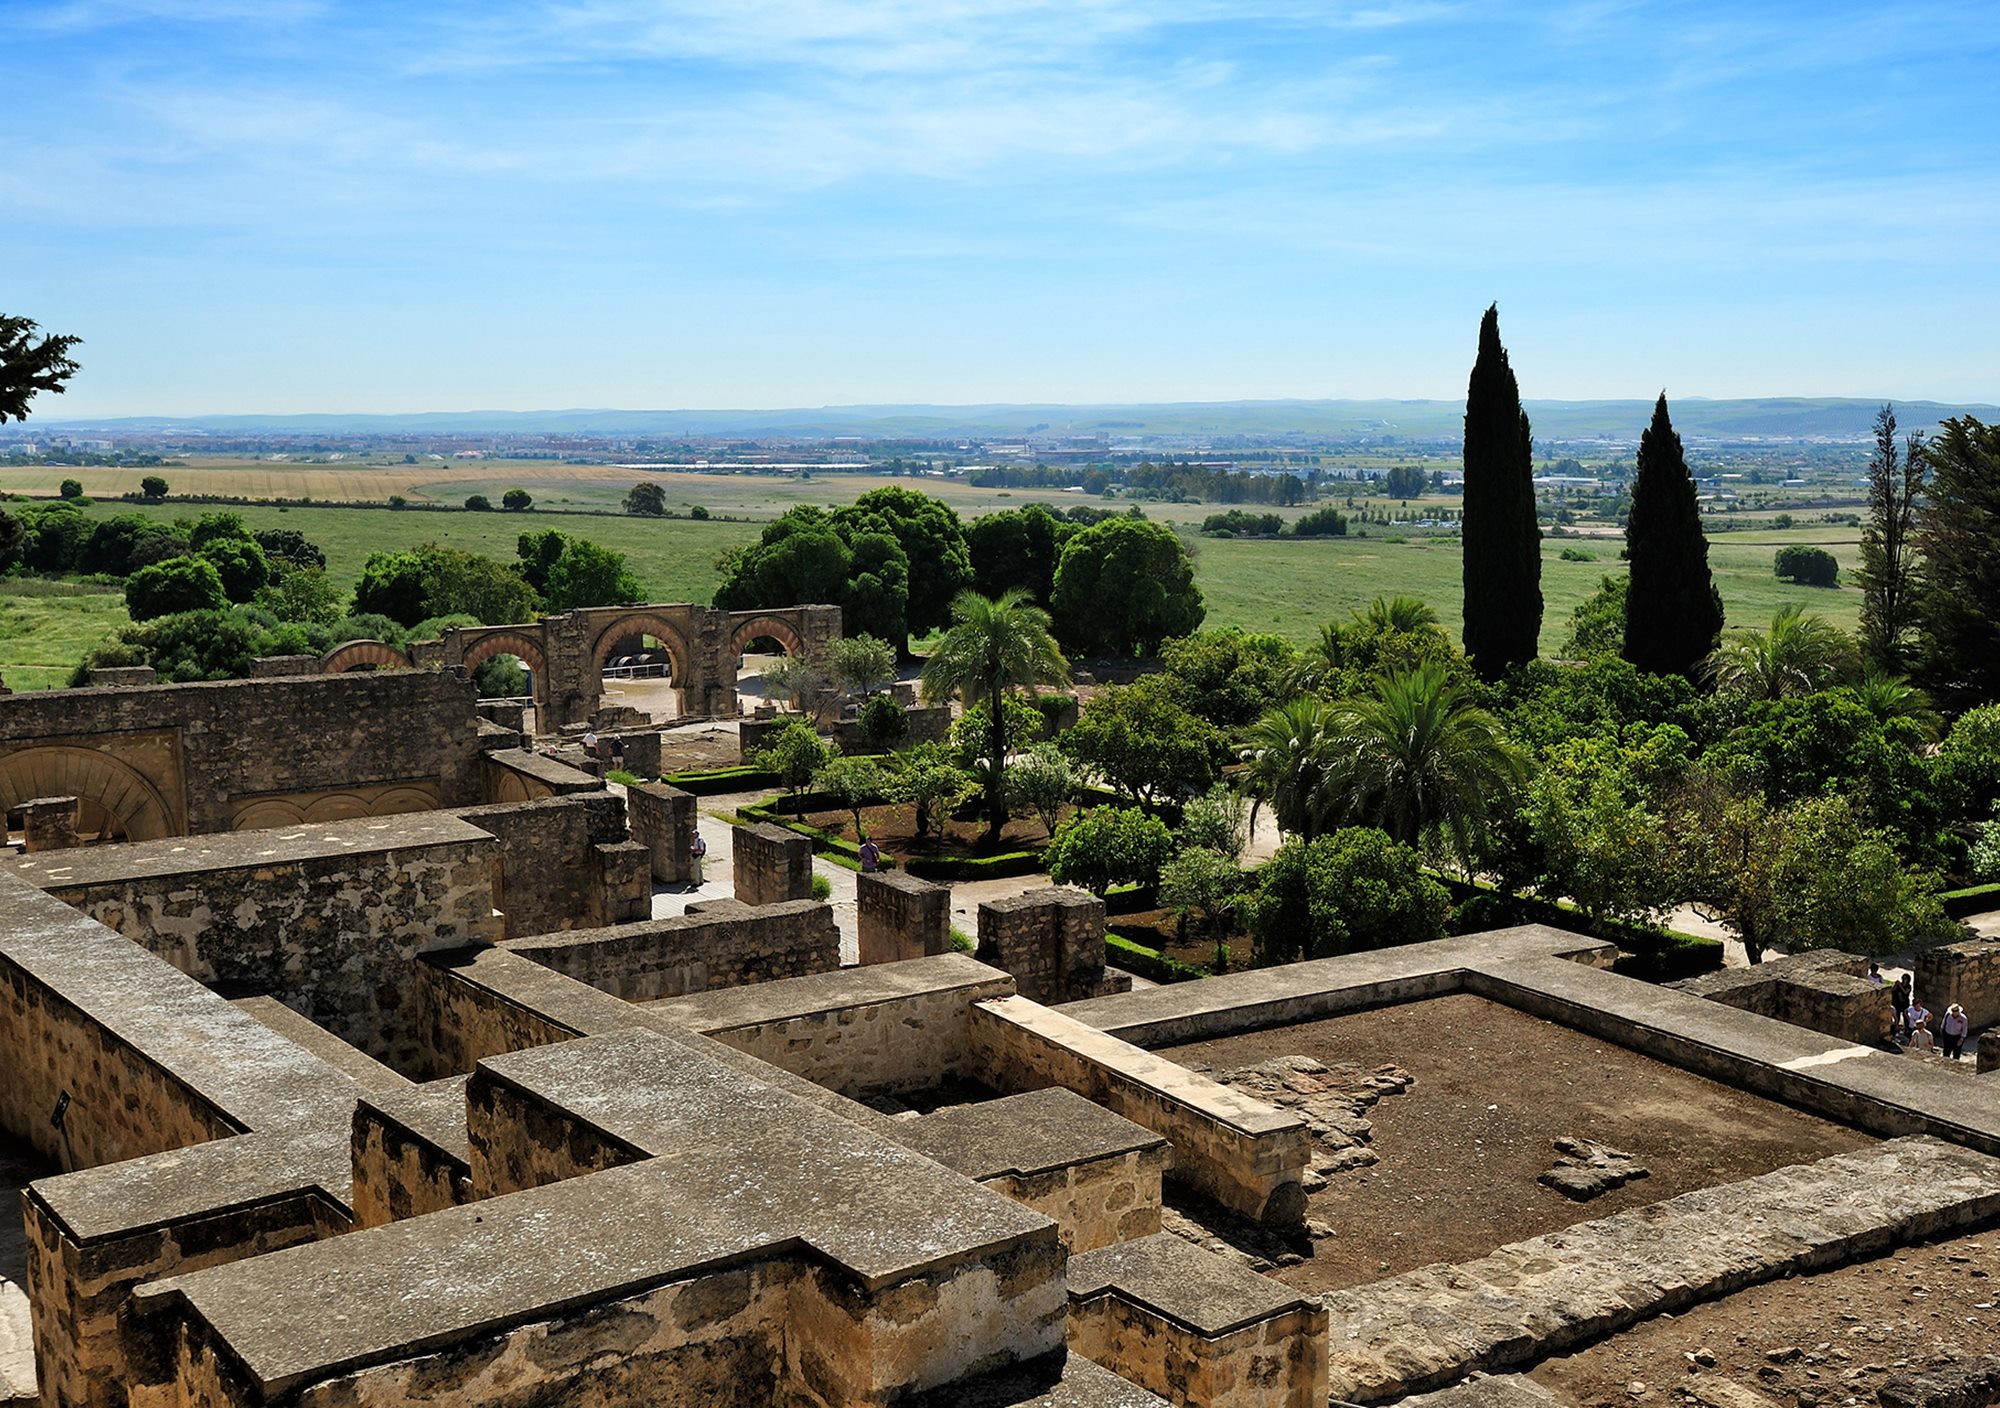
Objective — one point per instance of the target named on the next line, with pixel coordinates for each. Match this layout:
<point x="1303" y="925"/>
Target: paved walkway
<point x="17" y="1349"/>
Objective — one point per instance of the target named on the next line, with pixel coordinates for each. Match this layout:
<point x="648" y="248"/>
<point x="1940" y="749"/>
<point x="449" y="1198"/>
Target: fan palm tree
<point x="1282" y="750"/>
<point x="1888" y="696"/>
<point x="995" y="646"/>
<point x="1420" y="761"/>
<point x="1400" y="615"/>
<point x="1799" y="654"/>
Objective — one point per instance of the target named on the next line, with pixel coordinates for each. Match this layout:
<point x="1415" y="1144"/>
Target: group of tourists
<point x="1911" y="1029"/>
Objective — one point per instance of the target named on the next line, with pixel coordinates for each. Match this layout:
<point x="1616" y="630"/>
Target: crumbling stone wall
<point x="662" y="819"/>
<point x="1967" y="973"/>
<point x="208" y="750"/>
<point x="1052" y="941"/>
<point x="326" y="922"/>
<point x="900" y="916"/>
<point x="1822" y="989"/>
<point x="723" y="944"/>
<point x="771" y="865"/>
<point x="566" y="863"/>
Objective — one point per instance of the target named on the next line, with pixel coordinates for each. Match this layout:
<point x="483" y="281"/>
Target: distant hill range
<point x="1829" y="418"/>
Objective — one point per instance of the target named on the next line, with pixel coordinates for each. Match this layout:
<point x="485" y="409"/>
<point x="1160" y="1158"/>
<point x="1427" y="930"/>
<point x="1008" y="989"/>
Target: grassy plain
<point x="1286" y="586"/>
<point x="46" y="627"/>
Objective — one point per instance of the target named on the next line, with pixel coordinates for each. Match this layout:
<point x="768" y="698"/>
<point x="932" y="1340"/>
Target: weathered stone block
<point x="1052" y="941"/>
<point x="49" y="823"/>
<point x="663" y="819"/>
<point x="900" y="916"/>
<point x="771" y="864"/>
<point x="1967" y="973"/>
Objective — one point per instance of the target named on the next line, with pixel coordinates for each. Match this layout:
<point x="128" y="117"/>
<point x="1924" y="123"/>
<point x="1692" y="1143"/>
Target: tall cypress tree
<point x="1673" y="613"/>
<point x="1502" y="542"/>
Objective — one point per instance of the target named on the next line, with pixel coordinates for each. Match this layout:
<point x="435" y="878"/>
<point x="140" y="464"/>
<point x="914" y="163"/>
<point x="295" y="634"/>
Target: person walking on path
<point x="697" y="848"/>
<point x="871" y="857"/>
<point x="1954" y="1027"/>
<point x="1899" y="1003"/>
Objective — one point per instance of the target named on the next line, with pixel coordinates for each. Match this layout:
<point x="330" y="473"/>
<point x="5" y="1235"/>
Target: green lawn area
<point x="1289" y="587"/>
<point x="46" y="627"/>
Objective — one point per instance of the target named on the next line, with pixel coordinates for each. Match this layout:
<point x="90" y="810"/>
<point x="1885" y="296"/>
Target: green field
<point x="1289" y="587"/>
<point x="45" y="628"/>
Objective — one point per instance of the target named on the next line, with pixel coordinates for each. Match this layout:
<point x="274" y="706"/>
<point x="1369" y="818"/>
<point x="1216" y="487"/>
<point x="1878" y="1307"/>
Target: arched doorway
<point x="363" y="655"/>
<point x="118" y="803"/>
<point x="757" y="647"/>
<point x="642" y="663"/>
<point x="508" y="665"/>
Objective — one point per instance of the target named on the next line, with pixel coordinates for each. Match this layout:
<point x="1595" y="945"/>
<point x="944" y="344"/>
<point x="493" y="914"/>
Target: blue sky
<point x="288" y="205"/>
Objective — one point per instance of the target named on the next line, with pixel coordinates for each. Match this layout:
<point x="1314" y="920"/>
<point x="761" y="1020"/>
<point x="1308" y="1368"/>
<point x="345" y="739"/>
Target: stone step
<point x="1550" y="1294"/>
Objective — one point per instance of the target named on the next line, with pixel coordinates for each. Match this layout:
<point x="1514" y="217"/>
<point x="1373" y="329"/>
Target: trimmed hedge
<point x="1150" y="963"/>
<point x="993" y="867"/>
<point x="1976" y="899"/>
<point x="717" y="780"/>
<point x="1131" y="899"/>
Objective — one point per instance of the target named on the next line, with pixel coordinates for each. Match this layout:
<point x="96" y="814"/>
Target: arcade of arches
<point x="566" y="655"/>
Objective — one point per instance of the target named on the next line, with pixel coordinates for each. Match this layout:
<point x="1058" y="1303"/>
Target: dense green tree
<point x="1545" y="704"/>
<point x="1673" y="613"/>
<point x="241" y="565"/>
<point x="932" y="540"/>
<point x="1218" y="820"/>
<point x="1597" y="625"/>
<point x="479" y="503"/>
<point x="1889" y="563"/>
<point x="1809" y="567"/>
<point x="856" y="782"/>
<point x="1502" y="542"/>
<point x="876" y="599"/>
<point x="53" y="538"/>
<point x="860" y="663"/>
<point x="72" y="488"/>
<point x="1043" y="781"/>
<point x="799" y="558"/>
<point x="646" y="500"/>
<point x="426" y="581"/>
<point x="1203" y="887"/>
<point x="217" y="525"/>
<point x="1421" y="761"/>
<point x="286" y="548"/>
<point x="1142" y="741"/>
<point x="183" y="648"/>
<point x="536" y="553"/>
<point x="1347" y="892"/>
<point x="587" y="574"/>
<point x="152" y="486"/>
<point x="1597" y="839"/>
<point x="169" y="588"/>
<point x="794" y="752"/>
<point x="1108" y="846"/>
<point x="884" y="722"/>
<point x="1328" y="522"/>
<point x="1958" y="535"/>
<point x="1122" y="587"/>
<point x="1405" y="482"/>
<point x="120" y="545"/>
<point x="1230" y="675"/>
<point x="31" y="365"/>
<point x="995" y="646"/>
<point x="929" y="780"/>
<point x="304" y="595"/>
<point x="392" y="585"/>
<point x="517" y="500"/>
<point x="1017" y="548"/>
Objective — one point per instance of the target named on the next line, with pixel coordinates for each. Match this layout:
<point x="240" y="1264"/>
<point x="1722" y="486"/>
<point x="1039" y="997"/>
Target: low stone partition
<point x="1052" y="941"/>
<point x="1199" y="1329"/>
<point x="900" y="916"/>
<point x="723" y="944"/>
<point x="779" y="1255"/>
<point x="771" y="865"/>
<point x="1095" y="1173"/>
<point x="519" y="775"/>
<point x="889" y="1029"/>
<point x="323" y="917"/>
<point x="663" y="820"/>
<point x="121" y="676"/>
<point x="49" y="824"/>
<point x="1551" y="1294"/>
<point x="1967" y="973"/>
<point x="277" y="667"/>
<point x="926" y="725"/>
<point x="566" y="862"/>
<point x="1238" y="1151"/>
<point x="411" y="1153"/>
<point x="1823" y="989"/>
<point x="637" y="750"/>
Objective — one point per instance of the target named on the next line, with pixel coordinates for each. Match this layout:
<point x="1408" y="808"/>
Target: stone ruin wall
<point x="899" y="916"/>
<point x="770" y="864"/>
<point x="724" y="944"/>
<point x="1052" y="941"/>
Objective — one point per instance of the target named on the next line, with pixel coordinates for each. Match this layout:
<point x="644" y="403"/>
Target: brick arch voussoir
<point x="358" y="654"/>
<point x="506" y="643"/>
<point x="121" y="791"/>
<point x="643" y="623"/>
<point x="776" y="627"/>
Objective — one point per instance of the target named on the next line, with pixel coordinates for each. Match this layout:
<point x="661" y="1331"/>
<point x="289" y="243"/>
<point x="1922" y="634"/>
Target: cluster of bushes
<point x="1810" y="567"/>
<point x="1328" y="522"/>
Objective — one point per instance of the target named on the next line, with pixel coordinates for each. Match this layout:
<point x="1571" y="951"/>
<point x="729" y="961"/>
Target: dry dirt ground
<point x="1461" y="1149"/>
<point x="1830" y="1339"/>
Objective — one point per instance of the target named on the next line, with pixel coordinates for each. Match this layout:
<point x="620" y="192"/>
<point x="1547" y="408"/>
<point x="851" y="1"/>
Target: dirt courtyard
<point x="1461" y="1149"/>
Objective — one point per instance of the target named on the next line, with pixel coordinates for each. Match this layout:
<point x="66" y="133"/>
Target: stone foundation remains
<point x="900" y="916"/>
<point x="771" y="865"/>
<point x="1052" y="941"/>
<point x="662" y="819"/>
<point x="1823" y="989"/>
<point x="1967" y="973"/>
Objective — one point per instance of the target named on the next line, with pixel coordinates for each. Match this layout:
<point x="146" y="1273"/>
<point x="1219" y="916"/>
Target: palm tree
<point x="1800" y="654"/>
<point x="1888" y="697"/>
<point x="1420" y="761"/>
<point x="1283" y="750"/>
<point x="995" y="646"/>
<point x="1399" y="615"/>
